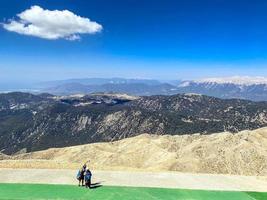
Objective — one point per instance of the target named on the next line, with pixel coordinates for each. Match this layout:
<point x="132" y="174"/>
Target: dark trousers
<point x="88" y="183"/>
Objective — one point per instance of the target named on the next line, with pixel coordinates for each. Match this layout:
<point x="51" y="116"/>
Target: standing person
<point x="81" y="173"/>
<point x="87" y="178"/>
<point x="80" y="176"/>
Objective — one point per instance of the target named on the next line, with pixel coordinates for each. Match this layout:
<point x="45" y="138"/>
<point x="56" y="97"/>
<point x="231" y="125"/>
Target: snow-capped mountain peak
<point x="237" y="80"/>
<point x="240" y="87"/>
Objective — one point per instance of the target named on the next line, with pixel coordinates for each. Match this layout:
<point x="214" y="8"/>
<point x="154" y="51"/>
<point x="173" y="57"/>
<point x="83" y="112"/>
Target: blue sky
<point x="161" y="39"/>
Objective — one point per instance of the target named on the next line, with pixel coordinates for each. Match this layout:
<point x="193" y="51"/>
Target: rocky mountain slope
<point x="36" y="122"/>
<point x="244" y="153"/>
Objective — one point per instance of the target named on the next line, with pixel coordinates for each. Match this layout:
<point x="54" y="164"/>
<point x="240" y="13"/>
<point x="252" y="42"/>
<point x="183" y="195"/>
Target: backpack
<point x="78" y="175"/>
<point x="87" y="176"/>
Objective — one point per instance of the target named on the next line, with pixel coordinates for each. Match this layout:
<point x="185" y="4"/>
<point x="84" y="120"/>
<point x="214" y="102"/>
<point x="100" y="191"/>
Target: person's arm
<point x="86" y="162"/>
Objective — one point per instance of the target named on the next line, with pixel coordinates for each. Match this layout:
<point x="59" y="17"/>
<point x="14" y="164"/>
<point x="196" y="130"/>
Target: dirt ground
<point x="140" y="179"/>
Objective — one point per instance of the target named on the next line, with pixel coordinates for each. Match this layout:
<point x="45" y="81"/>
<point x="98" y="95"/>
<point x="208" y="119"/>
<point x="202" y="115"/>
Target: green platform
<point x="66" y="192"/>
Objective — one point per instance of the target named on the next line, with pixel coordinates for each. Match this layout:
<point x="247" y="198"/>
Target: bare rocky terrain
<point x="37" y="122"/>
<point x="243" y="153"/>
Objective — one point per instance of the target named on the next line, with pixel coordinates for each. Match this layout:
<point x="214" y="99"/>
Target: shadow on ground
<point x="96" y="185"/>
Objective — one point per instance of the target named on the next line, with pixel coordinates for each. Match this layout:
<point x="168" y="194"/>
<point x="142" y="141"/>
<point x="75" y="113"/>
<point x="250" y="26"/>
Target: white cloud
<point x="52" y="24"/>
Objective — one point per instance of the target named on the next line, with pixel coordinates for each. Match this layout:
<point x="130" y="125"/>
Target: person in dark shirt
<point x="87" y="178"/>
<point x="81" y="173"/>
<point x="80" y="176"/>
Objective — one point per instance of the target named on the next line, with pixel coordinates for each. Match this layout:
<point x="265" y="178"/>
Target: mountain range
<point x="35" y="122"/>
<point x="251" y="88"/>
<point x="232" y="87"/>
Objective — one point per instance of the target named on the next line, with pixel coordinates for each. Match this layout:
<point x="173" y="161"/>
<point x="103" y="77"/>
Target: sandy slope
<point x="3" y="156"/>
<point x="244" y="153"/>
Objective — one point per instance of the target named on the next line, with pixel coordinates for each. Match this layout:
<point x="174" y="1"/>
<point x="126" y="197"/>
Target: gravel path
<point x="140" y="179"/>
